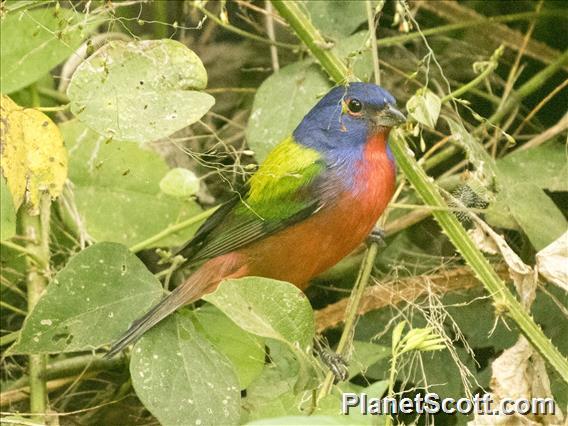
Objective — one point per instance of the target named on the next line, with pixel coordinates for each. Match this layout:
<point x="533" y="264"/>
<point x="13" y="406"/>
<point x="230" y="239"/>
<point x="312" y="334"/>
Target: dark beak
<point x="389" y="117"/>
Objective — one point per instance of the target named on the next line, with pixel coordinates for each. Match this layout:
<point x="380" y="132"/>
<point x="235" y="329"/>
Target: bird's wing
<point x="286" y="189"/>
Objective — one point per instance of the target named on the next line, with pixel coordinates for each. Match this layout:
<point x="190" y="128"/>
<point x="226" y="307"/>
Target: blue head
<point x="342" y="121"/>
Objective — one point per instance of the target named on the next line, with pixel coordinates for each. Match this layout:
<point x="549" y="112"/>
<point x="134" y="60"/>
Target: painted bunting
<point x="316" y="197"/>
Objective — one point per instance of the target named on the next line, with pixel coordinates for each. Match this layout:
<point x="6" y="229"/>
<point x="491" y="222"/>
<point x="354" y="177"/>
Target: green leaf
<point x="117" y="189"/>
<point x="424" y="107"/>
<point x="366" y="354"/>
<point x="356" y="53"/>
<point x="181" y="378"/>
<point x="35" y="41"/>
<point x="311" y="421"/>
<point x="90" y="302"/>
<point x="535" y="212"/>
<point x="140" y="91"/>
<point x="7" y="212"/>
<point x="272" y="394"/>
<point x="245" y="351"/>
<point x="267" y="308"/>
<point x="297" y="88"/>
<point x="544" y="166"/>
<point x="180" y="183"/>
<point x="336" y="19"/>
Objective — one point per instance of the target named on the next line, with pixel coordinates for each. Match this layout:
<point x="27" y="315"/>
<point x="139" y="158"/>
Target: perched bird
<point x="316" y="197"/>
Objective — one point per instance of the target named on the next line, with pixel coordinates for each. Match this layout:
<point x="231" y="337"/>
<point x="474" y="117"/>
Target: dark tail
<point x="188" y="292"/>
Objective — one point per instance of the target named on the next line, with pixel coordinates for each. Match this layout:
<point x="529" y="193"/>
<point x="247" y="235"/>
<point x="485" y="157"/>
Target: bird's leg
<point x="335" y="362"/>
<point x="377" y="235"/>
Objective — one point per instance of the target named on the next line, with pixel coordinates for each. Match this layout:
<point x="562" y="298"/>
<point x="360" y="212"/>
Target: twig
<point x="244" y="33"/>
<point x="525" y="90"/>
<point x="373" y="39"/>
<point x="269" y="19"/>
<point x="454" y="12"/>
<point x="171" y="230"/>
<point x="351" y="313"/>
<point x="431" y="196"/>
<point x="401" y="290"/>
<point x="548" y="134"/>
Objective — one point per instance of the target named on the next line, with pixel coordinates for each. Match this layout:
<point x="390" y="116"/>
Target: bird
<point x="316" y="198"/>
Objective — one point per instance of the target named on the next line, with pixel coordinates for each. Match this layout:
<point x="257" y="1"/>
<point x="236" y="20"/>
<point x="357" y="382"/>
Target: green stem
<point x="244" y="33"/>
<point x="9" y="338"/>
<point x="473" y="256"/>
<point x="311" y="37"/>
<point x="351" y="312"/>
<point x="160" y="19"/>
<point x="23" y="250"/>
<point x="525" y="90"/>
<point x="53" y="94"/>
<point x="70" y="367"/>
<point x="392" y="41"/>
<point x="529" y="87"/>
<point x="36" y="231"/>
<point x="373" y="40"/>
<point x="429" y="193"/>
<point x="14" y="309"/>
<point x="493" y="63"/>
<point x="171" y="230"/>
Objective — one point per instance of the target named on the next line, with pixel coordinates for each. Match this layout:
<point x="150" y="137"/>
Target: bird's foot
<point x="335" y="362"/>
<point x="377" y="235"/>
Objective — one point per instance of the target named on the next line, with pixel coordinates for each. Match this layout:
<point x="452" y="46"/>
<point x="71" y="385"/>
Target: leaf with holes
<point x="140" y="91"/>
<point x="35" y="41"/>
<point x="181" y="378"/>
<point x="244" y="350"/>
<point x="267" y="308"/>
<point x="117" y="190"/>
<point x="90" y="302"/>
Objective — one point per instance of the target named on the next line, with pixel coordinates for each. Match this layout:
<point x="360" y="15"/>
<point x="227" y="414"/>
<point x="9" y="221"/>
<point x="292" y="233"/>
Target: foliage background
<point x="134" y="190"/>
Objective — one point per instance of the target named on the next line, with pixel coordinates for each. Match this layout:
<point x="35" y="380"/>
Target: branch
<point x="429" y="193"/>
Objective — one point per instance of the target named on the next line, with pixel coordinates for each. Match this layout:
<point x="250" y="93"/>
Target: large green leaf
<point x="7" y="212"/>
<point x="338" y="18"/>
<point x="296" y="89"/>
<point x="34" y="42"/>
<point x="244" y="350"/>
<point x="181" y="378"/>
<point x="544" y="166"/>
<point x="140" y="91"/>
<point x="90" y="302"/>
<point x="267" y="308"/>
<point x="312" y="421"/>
<point x="535" y="212"/>
<point x="117" y="189"/>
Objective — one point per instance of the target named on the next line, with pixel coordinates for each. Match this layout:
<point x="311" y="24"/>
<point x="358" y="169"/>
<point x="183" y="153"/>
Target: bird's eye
<point x="354" y="106"/>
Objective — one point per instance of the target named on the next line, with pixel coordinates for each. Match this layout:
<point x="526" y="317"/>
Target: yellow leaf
<point x="34" y="159"/>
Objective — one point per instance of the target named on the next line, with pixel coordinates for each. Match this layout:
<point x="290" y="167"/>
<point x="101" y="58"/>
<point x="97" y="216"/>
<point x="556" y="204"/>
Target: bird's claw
<point x="377" y="235"/>
<point x="335" y="362"/>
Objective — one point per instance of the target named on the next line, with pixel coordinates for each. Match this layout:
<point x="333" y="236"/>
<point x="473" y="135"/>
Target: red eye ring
<point x="354" y="106"/>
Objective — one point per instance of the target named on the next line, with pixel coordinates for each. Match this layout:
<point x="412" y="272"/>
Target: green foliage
<point x="35" y="41"/>
<point x="150" y="148"/>
<point x="158" y="82"/>
<point x="244" y="350"/>
<point x="117" y="189"/>
<point x="181" y="378"/>
<point x="7" y="213"/>
<point x="89" y="302"/>
<point x="267" y="308"/>
<point x="180" y="183"/>
<point x="297" y="87"/>
<point x="425" y="107"/>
